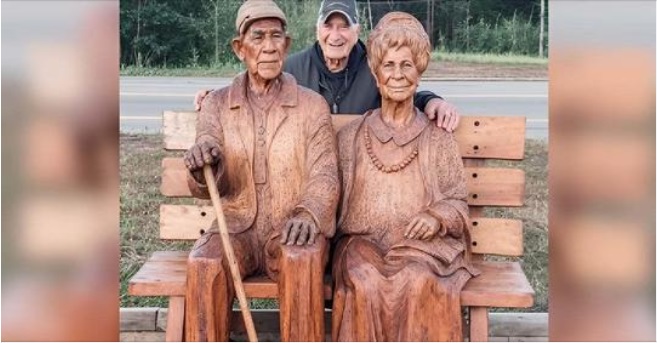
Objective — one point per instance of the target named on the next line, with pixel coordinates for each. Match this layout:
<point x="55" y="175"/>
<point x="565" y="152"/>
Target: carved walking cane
<point x="230" y="254"/>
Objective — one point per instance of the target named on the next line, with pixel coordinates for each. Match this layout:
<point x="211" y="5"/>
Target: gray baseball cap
<point x="345" y="7"/>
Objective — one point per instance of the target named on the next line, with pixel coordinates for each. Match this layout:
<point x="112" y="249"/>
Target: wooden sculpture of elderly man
<point x="274" y="154"/>
<point x="402" y="257"/>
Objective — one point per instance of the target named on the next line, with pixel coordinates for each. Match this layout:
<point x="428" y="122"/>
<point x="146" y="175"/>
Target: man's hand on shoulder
<point x="444" y="113"/>
<point x="198" y="98"/>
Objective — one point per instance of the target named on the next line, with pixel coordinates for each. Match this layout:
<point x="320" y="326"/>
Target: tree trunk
<point x="540" y="36"/>
<point x="216" y="33"/>
<point x="467" y="27"/>
<point x="135" y="46"/>
<point x="369" y="10"/>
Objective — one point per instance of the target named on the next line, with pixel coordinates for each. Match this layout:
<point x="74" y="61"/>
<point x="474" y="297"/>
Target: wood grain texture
<point x="178" y="129"/>
<point x="175" y="319"/>
<point x="500" y="137"/>
<point x="501" y="325"/>
<point x="501" y="284"/>
<point x="138" y="318"/>
<point x="489" y="235"/>
<point x="496" y="236"/>
<point x="495" y="186"/>
<point x="478" y="324"/>
<point x="486" y="186"/>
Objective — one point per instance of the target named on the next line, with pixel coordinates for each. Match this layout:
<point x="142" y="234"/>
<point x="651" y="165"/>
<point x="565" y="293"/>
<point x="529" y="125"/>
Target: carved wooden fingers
<point x="201" y="154"/>
<point x="300" y="230"/>
<point x="424" y="226"/>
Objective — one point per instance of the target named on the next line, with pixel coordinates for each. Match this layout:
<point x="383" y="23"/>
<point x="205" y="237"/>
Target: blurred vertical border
<point x="602" y="170"/>
<point x="60" y="248"/>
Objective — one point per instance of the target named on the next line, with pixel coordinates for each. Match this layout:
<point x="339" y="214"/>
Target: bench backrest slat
<point x="486" y="186"/>
<point x="477" y="136"/>
<point x="489" y="235"/>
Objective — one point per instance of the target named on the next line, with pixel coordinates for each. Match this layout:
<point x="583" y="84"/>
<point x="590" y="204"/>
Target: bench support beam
<point x="175" y="319"/>
<point x="478" y="324"/>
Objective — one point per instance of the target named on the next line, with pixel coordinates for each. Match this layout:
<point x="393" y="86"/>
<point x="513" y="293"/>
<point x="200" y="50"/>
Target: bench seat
<point x="501" y="284"/>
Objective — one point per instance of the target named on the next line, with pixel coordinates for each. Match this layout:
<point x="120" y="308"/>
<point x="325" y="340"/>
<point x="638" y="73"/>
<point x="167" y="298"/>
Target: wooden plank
<point x="159" y="279"/>
<point x="486" y="186"/>
<point x="496" y="236"/>
<point x="175" y="319"/>
<point x="165" y="274"/>
<point x="500" y="137"/>
<point x="178" y="129"/>
<point x="475" y="211"/>
<point x="174" y="178"/>
<point x="142" y="336"/>
<point x="500" y="324"/>
<point x="185" y="221"/>
<point x="519" y="324"/>
<point x="495" y="186"/>
<point x="138" y="318"/>
<point x="501" y="284"/>
<point x="489" y="235"/>
<point x="478" y="324"/>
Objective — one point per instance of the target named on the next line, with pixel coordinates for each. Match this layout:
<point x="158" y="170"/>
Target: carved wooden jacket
<point x="302" y="160"/>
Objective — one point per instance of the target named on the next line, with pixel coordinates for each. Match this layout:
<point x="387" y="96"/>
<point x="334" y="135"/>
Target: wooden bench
<point x="501" y="284"/>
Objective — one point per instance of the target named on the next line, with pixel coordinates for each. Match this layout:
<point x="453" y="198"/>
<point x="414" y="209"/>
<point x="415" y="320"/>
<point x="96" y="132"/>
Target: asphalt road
<point x="144" y="98"/>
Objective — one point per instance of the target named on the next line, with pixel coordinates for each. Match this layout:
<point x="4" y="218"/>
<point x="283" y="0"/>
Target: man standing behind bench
<point x="336" y="67"/>
<point x="273" y="151"/>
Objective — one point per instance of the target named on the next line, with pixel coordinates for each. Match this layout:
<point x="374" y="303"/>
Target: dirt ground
<point x="457" y="70"/>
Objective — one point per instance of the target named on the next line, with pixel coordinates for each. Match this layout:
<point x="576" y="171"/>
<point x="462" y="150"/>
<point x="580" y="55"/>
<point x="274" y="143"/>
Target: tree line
<point x="196" y="33"/>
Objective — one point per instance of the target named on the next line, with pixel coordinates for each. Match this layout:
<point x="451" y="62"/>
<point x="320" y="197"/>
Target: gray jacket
<point x="357" y="94"/>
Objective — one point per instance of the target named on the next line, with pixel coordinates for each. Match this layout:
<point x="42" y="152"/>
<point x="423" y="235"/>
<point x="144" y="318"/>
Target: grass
<point x="224" y="70"/>
<point x="231" y="69"/>
<point x="534" y="218"/>
<point x="140" y="160"/>
<point x="507" y="59"/>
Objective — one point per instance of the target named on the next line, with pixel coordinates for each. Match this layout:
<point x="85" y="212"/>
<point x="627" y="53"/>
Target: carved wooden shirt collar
<point x="401" y="136"/>
<point x="286" y="98"/>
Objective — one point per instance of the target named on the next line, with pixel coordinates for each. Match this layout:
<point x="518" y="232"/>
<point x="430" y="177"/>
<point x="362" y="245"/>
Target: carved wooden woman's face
<point x="397" y="76"/>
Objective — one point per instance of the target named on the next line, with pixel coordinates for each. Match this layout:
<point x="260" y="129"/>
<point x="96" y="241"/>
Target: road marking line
<point x="139" y="118"/>
<point x="448" y="96"/>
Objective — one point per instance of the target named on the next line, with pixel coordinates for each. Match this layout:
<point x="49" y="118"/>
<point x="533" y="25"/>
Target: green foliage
<point x="302" y="21"/>
<point x="515" y="36"/>
<point x="198" y="33"/>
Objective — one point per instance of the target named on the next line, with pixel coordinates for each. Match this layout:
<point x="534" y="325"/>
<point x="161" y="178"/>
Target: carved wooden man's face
<point x="263" y="48"/>
<point x="397" y="76"/>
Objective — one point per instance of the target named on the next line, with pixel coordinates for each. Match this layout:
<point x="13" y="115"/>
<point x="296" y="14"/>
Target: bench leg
<point x="175" y="319"/>
<point x="478" y="324"/>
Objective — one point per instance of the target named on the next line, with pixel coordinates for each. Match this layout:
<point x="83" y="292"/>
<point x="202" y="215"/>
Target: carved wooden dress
<point x="389" y="288"/>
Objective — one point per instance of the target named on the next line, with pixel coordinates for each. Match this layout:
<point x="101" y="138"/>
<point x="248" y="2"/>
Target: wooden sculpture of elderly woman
<point x="402" y="257"/>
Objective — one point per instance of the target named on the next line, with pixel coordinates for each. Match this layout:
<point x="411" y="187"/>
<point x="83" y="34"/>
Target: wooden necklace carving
<point x="379" y="165"/>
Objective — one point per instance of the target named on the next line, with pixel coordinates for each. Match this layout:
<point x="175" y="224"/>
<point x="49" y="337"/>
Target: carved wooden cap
<point x="252" y="10"/>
